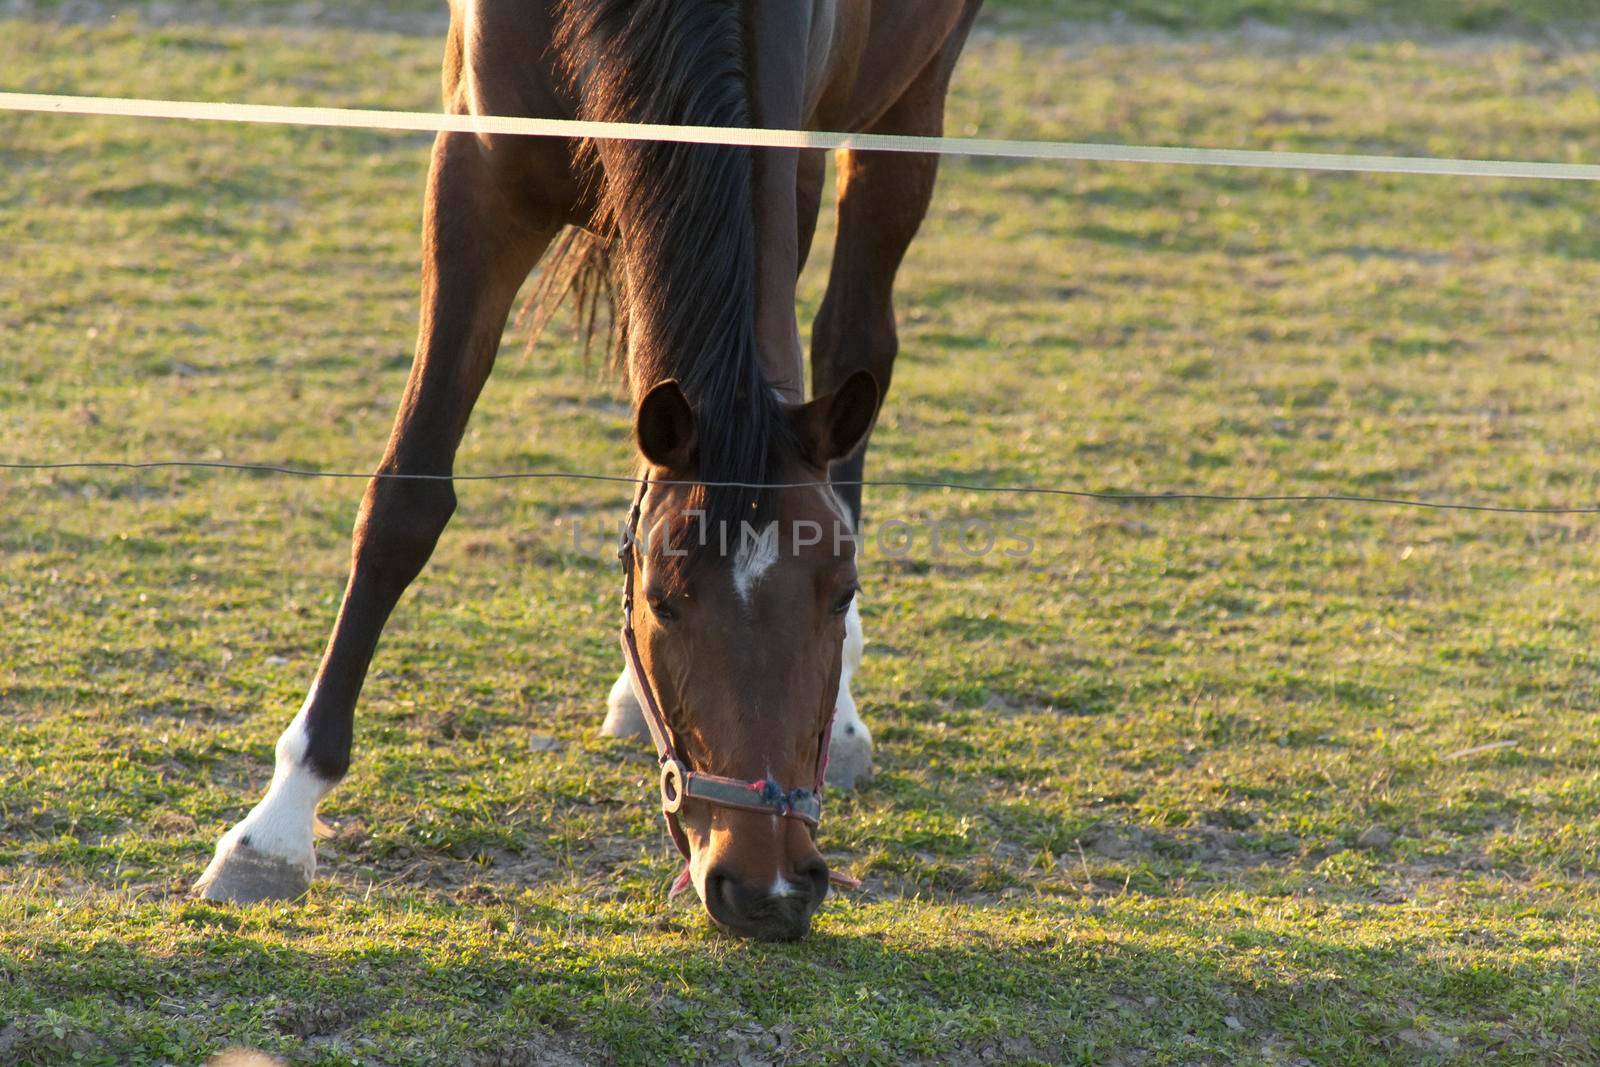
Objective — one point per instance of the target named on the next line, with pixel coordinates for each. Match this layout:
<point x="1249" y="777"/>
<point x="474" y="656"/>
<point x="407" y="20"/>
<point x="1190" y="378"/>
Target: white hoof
<point x="624" y="717"/>
<point x="849" y="753"/>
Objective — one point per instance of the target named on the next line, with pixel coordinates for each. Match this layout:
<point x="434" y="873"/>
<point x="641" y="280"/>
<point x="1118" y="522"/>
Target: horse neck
<point x="707" y="244"/>
<point x="777" y="44"/>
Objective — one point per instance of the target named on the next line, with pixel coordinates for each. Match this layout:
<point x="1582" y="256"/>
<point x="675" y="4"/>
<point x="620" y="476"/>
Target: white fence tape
<point x="429" y="122"/>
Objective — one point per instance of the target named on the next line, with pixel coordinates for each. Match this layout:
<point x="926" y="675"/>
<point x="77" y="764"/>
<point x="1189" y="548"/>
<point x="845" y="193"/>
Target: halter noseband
<point x="678" y="781"/>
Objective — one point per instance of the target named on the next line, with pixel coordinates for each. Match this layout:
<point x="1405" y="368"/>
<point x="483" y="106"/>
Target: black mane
<point x="684" y="219"/>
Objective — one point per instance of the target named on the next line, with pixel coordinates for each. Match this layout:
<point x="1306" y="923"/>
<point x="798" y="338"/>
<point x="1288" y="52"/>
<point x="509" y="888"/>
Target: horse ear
<point x="664" y="426"/>
<point x="835" y="425"/>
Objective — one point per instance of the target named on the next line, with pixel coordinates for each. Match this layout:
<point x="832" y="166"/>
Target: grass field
<point x="1540" y="16"/>
<point x="1191" y="784"/>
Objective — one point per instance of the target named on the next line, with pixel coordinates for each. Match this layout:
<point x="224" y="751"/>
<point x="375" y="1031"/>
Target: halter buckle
<point x="674" y="786"/>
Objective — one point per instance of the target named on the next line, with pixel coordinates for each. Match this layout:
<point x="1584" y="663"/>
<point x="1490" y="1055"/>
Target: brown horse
<point x="746" y="643"/>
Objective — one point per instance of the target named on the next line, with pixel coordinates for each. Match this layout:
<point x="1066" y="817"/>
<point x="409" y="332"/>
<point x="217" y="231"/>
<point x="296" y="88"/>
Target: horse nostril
<point x="721" y="896"/>
<point x="814" y="876"/>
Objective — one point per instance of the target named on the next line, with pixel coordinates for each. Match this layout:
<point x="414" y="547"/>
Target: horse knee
<point x="844" y="343"/>
<point x="399" y="525"/>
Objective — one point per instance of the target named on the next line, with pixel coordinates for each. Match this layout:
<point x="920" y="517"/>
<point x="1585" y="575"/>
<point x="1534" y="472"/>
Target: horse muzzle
<point x="779" y="912"/>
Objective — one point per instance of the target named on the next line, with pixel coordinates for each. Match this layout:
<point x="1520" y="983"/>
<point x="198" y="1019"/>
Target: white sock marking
<point x="846" y="720"/>
<point x="624" y="717"/>
<point x="283" y="823"/>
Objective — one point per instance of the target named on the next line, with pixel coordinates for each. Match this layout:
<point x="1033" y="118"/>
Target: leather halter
<point x="679" y="782"/>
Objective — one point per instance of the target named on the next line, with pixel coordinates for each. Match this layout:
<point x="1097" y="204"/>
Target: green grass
<point x="1124" y="788"/>
<point x="1470" y="16"/>
<point x="1458" y="15"/>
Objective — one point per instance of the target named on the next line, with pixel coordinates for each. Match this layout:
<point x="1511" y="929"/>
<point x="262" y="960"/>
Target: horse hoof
<point x="239" y="874"/>
<point x="624" y="717"/>
<point x="849" y="760"/>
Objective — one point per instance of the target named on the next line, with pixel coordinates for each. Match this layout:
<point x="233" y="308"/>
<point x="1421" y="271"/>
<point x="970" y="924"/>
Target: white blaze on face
<point x="757" y="554"/>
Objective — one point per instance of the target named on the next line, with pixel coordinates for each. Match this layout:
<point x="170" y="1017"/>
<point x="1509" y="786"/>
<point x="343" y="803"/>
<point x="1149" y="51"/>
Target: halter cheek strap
<point x="678" y="781"/>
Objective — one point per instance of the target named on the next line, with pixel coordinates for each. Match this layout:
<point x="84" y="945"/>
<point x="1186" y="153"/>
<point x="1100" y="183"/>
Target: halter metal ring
<point x="674" y="786"/>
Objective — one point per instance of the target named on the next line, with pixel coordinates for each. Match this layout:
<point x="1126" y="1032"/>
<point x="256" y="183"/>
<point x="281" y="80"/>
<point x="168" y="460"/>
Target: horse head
<point x="737" y="635"/>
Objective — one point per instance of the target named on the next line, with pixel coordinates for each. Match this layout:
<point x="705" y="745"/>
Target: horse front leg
<point x="481" y="237"/>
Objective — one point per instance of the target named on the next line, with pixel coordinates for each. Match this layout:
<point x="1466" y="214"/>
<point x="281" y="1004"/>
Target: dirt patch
<point x="309" y="1020"/>
<point x="542" y="1050"/>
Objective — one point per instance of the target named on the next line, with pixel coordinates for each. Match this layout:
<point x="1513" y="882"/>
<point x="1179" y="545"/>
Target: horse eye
<point x="661" y="609"/>
<point x="842" y="605"/>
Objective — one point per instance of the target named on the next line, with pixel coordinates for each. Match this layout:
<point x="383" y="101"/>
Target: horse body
<point x="708" y="243"/>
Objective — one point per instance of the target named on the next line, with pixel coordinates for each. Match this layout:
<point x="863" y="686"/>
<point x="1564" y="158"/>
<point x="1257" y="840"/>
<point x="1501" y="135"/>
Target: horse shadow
<point x="1072" y="982"/>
